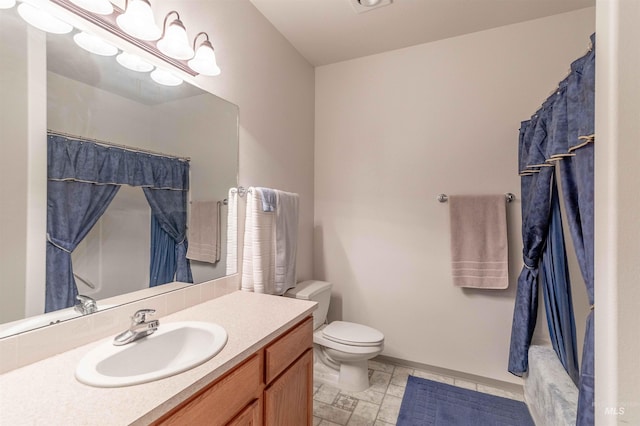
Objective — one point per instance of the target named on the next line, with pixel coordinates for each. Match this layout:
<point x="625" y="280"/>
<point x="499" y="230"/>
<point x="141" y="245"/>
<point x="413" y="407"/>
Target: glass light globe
<point x="133" y="62"/>
<point x="43" y="20"/>
<point x="94" y="44"/>
<point x="175" y="43"/>
<point x="7" y="4"/>
<point x="138" y="21"/>
<point x="204" y="62"/>
<point x="165" y="78"/>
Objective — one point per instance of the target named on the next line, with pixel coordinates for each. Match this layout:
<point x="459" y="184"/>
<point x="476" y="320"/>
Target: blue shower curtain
<point x="83" y="178"/>
<point x="557" y="292"/>
<point x="72" y="210"/>
<point x="580" y="208"/>
<point x="562" y="130"/>
<point x="536" y="204"/>
<point x="162" y="255"/>
<point x="168" y="236"/>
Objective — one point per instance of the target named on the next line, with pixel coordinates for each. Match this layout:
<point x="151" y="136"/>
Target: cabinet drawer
<point x="284" y="351"/>
<point x="220" y="402"/>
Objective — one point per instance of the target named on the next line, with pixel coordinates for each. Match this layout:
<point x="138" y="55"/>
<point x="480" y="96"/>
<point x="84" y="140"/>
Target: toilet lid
<point x="350" y="333"/>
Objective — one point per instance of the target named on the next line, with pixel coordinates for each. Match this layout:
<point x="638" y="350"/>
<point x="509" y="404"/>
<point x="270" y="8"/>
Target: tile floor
<point x="379" y="405"/>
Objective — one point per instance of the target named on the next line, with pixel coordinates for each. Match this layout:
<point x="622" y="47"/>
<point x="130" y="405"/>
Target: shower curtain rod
<point x="115" y="145"/>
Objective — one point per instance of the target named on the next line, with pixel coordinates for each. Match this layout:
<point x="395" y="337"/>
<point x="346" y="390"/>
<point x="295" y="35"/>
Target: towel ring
<point x="443" y="198"/>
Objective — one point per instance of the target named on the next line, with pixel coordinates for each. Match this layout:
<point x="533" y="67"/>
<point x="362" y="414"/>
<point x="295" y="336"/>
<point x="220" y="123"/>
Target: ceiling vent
<point x="361" y="6"/>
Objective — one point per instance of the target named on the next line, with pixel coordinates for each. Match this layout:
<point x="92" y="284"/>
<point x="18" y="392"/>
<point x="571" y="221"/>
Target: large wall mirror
<point x="48" y="83"/>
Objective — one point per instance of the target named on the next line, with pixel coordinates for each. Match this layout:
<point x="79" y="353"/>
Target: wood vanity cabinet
<point x="273" y="387"/>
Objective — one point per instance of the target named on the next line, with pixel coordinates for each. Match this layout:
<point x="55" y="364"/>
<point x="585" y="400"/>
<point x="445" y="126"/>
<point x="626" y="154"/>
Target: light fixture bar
<point x="108" y="23"/>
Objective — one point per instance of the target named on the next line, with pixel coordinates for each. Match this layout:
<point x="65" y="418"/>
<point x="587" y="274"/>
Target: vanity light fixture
<point x="101" y="7"/>
<point x="204" y="61"/>
<point x="174" y="42"/>
<point x="43" y="20"/>
<point x="94" y="44"/>
<point x="137" y="20"/>
<point x="136" y="25"/>
<point x="133" y="62"/>
<point x="165" y="77"/>
<point x="7" y="4"/>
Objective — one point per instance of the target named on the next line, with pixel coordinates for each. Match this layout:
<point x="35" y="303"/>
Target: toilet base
<point x="352" y="376"/>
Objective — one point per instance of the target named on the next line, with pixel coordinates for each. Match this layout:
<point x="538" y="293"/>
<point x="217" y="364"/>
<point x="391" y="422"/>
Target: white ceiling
<point x="328" y="31"/>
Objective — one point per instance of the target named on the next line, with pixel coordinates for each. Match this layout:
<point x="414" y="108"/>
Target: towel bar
<point x="443" y="198"/>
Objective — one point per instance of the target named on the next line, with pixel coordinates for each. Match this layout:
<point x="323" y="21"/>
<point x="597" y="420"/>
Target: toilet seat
<point x="352" y="334"/>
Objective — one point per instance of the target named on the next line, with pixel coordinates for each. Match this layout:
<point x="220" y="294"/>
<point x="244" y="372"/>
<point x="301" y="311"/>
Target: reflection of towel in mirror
<point x="286" y="240"/>
<point x="204" y="231"/>
<point x="270" y="245"/>
<point x="232" y="232"/>
<point x="479" y="245"/>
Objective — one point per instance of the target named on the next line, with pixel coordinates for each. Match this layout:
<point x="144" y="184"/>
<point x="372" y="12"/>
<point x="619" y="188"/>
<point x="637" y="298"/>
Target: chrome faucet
<point x="139" y="328"/>
<point x="85" y="305"/>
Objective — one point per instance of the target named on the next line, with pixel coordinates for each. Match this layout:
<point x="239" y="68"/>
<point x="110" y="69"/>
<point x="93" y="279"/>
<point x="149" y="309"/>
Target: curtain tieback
<point x="57" y="245"/>
<point x="591" y="307"/>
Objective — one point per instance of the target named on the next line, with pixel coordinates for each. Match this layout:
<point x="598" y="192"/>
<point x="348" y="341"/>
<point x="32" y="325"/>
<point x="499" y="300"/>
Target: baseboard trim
<point x="498" y="384"/>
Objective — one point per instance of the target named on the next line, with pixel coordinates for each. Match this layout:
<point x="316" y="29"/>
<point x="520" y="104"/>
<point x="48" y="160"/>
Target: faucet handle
<point x="141" y="315"/>
<point x="85" y="304"/>
<point x="84" y="299"/>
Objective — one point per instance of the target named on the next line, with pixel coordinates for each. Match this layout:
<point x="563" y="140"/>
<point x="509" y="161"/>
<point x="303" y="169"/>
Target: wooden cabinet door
<point x="288" y="400"/>
<point x="250" y="416"/>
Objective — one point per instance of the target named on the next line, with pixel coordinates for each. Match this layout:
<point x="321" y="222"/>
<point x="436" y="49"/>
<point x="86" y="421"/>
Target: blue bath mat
<point x="426" y="403"/>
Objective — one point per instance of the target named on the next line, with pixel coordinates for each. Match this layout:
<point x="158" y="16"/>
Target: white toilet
<point x="341" y="349"/>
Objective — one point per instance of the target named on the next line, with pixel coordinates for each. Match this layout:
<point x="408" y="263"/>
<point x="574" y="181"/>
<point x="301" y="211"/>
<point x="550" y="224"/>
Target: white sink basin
<point x="172" y="349"/>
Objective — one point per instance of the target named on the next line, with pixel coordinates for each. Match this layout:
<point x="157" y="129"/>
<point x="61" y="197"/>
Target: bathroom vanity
<point x="264" y="375"/>
<point x="273" y="387"/>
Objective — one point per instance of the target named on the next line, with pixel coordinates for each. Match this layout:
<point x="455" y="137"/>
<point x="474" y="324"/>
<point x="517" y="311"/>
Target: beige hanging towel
<point x="479" y="247"/>
<point x="204" y="232"/>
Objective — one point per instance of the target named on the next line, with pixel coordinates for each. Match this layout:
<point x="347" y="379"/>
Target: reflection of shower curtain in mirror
<point x="83" y="178"/>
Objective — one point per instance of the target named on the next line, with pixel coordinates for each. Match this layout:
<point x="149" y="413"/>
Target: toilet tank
<point x="316" y="291"/>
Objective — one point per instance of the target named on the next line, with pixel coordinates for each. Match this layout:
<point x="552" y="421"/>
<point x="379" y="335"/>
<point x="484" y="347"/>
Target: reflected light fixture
<point x="7" y="4"/>
<point x="43" y="20"/>
<point x="133" y="62"/>
<point x="174" y="42"/>
<point x="137" y="20"/>
<point x="165" y="78"/>
<point x="204" y="62"/>
<point x="101" y="7"/>
<point x="94" y="44"/>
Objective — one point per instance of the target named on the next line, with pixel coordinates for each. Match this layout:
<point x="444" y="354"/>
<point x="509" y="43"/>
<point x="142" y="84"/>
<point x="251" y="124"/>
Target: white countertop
<point x="47" y="393"/>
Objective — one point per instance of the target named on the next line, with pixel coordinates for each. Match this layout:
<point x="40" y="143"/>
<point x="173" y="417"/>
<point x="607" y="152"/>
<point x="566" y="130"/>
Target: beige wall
<point x="23" y="218"/>
<point x="13" y="173"/>
<point x="392" y="132"/>
<point x="617" y="216"/>
<point x="273" y="86"/>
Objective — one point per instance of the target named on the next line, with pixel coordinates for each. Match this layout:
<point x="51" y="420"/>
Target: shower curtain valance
<point x="559" y="127"/>
<point x="83" y="161"/>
